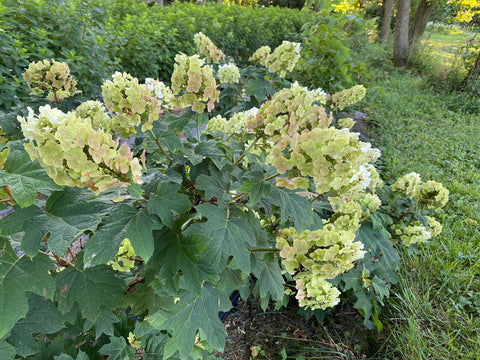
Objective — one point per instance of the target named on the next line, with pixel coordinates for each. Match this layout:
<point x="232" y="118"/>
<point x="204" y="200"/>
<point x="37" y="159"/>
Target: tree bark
<point x="387" y="19"/>
<point x="419" y="23"/>
<point x="159" y="2"/>
<point x="471" y="80"/>
<point x="400" y="44"/>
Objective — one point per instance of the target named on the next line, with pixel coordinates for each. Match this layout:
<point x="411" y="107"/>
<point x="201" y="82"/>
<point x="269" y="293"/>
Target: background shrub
<point x="97" y="37"/>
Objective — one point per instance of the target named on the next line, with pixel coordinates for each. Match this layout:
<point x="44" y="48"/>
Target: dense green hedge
<point x="97" y="37"/>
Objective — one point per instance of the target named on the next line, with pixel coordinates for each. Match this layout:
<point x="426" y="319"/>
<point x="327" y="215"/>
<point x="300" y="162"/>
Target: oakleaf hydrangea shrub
<point x="178" y="215"/>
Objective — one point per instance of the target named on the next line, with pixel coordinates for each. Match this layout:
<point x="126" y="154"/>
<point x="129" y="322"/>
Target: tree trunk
<point x="387" y="19"/>
<point x="471" y="80"/>
<point x="159" y="2"/>
<point x="419" y="23"/>
<point x="400" y="45"/>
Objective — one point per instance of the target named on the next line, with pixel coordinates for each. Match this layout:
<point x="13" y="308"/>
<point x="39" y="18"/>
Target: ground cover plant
<point x="185" y="192"/>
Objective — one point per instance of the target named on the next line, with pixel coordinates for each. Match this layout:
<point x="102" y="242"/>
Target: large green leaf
<point x="166" y="202"/>
<point x="269" y="278"/>
<point x="384" y="260"/>
<point x="25" y="178"/>
<point x="118" y="349"/>
<point x="293" y="206"/>
<point x="7" y="351"/>
<point x="181" y="256"/>
<point x="123" y="222"/>
<point x="68" y="213"/>
<point x="153" y="340"/>
<point x="92" y="289"/>
<point x="18" y="276"/>
<point x="260" y="88"/>
<point x="229" y="236"/>
<point x="216" y="185"/>
<point x="198" y="313"/>
<point x="104" y="323"/>
<point x="255" y="184"/>
<point x="42" y="317"/>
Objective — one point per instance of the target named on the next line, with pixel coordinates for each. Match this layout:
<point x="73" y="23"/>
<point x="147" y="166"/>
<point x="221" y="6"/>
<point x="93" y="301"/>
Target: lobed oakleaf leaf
<point x="25" y="178"/>
<point x="123" y="222"/>
<point x="216" y="185"/>
<point x="17" y="277"/>
<point x="197" y="313"/>
<point x="255" y="183"/>
<point x="230" y="236"/>
<point x="166" y="202"/>
<point x="269" y="278"/>
<point x="118" y="349"/>
<point x="293" y="206"/>
<point x="7" y="351"/>
<point x="42" y="317"/>
<point x="181" y="256"/>
<point x="68" y="214"/>
<point x="93" y="289"/>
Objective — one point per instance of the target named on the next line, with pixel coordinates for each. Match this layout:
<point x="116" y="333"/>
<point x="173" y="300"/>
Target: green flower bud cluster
<point x="194" y="82"/>
<point x="370" y="202"/>
<point x="207" y="48"/>
<point x="432" y="193"/>
<point x="415" y="232"/>
<point x="53" y="77"/>
<point x="316" y="256"/>
<point x="161" y="93"/>
<point x="408" y="184"/>
<point x="237" y="124"/>
<point x="74" y="152"/>
<point x="314" y="292"/>
<point x="291" y="111"/>
<point x="342" y="99"/>
<point x="96" y="112"/>
<point x="125" y="258"/>
<point x="326" y="252"/>
<point x="283" y="59"/>
<point x="335" y="159"/>
<point x="345" y="123"/>
<point x="261" y="56"/>
<point x="228" y="73"/>
<point x="347" y="213"/>
<point x="412" y="234"/>
<point x="130" y="103"/>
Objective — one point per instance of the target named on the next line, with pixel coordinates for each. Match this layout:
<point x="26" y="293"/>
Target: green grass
<point x="434" y="311"/>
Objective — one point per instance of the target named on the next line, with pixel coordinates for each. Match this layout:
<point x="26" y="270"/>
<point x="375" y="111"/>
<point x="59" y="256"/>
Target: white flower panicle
<point x="76" y="151"/>
<point x="206" y="48"/>
<point x="228" y="73"/>
<point x="282" y="59"/>
<point x="193" y="83"/>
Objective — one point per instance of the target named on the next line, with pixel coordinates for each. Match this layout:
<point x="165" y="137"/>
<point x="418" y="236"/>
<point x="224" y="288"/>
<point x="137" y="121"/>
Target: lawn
<point x="433" y="313"/>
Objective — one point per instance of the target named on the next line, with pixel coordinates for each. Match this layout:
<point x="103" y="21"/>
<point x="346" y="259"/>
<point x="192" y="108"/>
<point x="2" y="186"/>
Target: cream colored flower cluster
<point x="431" y="193"/>
<point x="347" y="97"/>
<point x="291" y="111"/>
<point x="228" y="73"/>
<point x="282" y="59"/>
<point x="315" y="256"/>
<point x="206" y="48"/>
<point x="132" y="103"/>
<point x="193" y="83"/>
<point x="335" y="159"/>
<point x="76" y="150"/>
<point x="51" y="76"/>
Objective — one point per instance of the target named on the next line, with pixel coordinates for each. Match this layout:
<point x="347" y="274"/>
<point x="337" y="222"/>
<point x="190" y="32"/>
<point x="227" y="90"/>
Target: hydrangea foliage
<point x="171" y="219"/>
